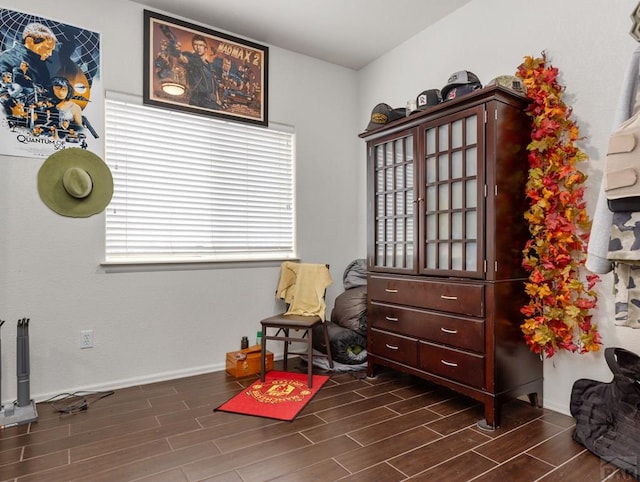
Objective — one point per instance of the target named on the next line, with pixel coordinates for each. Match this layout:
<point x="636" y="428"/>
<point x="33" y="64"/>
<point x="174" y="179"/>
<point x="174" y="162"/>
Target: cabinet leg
<point x="491" y="416"/>
<point x="371" y="371"/>
<point x="483" y="425"/>
<point x="535" y="399"/>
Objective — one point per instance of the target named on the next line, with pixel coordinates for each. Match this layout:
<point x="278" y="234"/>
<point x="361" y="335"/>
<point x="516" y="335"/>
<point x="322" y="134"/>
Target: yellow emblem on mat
<point x="279" y="391"/>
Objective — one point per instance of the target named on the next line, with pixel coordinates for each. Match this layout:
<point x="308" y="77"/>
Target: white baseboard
<point x="130" y="382"/>
<point x="557" y="407"/>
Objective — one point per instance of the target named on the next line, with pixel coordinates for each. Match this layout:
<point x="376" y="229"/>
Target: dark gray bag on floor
<point x="608" y="414"/>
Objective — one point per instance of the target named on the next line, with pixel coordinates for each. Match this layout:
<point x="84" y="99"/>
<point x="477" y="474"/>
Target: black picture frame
<point x="231" y="82"/>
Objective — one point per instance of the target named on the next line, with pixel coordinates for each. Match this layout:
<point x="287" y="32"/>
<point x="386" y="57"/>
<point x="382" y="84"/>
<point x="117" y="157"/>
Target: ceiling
<point x="351" y="33"/>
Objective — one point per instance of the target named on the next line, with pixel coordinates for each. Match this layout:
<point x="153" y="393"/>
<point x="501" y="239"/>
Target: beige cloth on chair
<point x="302" y="287"/>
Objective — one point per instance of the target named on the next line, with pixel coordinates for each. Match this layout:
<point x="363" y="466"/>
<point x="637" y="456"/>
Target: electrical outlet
<point x="86" y="339"/>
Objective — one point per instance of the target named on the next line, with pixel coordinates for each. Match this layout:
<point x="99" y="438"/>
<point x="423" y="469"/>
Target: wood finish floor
<point x="392" y="428"/>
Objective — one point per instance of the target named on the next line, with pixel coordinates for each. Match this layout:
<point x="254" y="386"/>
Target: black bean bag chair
<point x="355" y="274"/>
<point x="350" y="310"/>
<point x="347" y="346"/>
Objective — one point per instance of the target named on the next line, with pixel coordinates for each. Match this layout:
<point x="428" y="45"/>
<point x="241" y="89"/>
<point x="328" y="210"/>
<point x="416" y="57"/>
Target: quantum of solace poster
<point x="51" y="95"/>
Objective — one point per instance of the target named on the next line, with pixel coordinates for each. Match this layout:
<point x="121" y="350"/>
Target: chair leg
<point x="326" y="342"/>
<point x="310" y="357"/>
<point x="286" y="349"/>
<point x="263" y="354"/>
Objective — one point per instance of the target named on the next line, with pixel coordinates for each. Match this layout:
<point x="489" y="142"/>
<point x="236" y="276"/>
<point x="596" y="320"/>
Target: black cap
<point x="427" y="98"/>
<point x="397" y="113"/>
<point x="460" y="90"/>
<point x="462" y="77"/>
<point x="379" y="116"/>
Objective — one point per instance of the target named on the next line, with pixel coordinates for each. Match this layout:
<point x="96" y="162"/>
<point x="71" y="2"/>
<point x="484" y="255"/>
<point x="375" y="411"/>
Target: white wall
<point x="589" y="42"/>
<point x="152" y="325"/>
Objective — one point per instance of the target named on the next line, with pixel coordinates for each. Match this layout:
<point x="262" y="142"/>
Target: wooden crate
<point x="246" y="362"/>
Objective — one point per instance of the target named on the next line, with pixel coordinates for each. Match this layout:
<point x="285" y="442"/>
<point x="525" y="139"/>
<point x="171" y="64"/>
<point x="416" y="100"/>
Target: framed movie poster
<point x="51" y="94"/>
<point x="194" y="69"/>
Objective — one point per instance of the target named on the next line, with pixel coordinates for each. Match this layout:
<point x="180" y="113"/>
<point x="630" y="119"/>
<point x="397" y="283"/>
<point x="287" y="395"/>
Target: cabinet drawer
<point x="394" y="347"/>
<point x="455" y="331"/>
<point x="463" y="367"/>
<point x="452" y="297"/>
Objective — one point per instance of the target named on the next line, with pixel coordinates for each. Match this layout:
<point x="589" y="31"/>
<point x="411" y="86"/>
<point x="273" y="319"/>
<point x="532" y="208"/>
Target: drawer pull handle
<point x="389" y="318"/>
<point x="391" y="347"/>
<point x="449" y="364"/>
<point x="389" y="290"/>
<point x="452" y="332"/>
<point x="445" y="297"/>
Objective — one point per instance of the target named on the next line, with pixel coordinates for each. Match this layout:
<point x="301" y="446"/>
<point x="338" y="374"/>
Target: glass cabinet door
<point x="394" y="204"/>
<point x="452" y="196"/>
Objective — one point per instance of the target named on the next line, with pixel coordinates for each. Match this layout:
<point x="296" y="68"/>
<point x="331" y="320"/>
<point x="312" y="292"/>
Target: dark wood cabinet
<point x="446" y="229"/>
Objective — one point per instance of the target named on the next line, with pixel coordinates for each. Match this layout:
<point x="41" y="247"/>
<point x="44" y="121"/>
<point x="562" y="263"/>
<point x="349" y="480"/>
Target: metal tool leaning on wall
<point x="24" y="409"/>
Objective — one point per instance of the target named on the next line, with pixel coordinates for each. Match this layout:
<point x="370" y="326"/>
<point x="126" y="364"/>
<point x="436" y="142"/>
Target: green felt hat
<point x="75" y="182"/>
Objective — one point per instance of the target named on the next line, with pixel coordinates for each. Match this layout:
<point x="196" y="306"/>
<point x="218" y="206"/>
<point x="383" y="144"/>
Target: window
<point x="195" y="188"/>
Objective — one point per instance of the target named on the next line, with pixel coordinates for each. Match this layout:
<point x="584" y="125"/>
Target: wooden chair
<point x="283" y="324"/>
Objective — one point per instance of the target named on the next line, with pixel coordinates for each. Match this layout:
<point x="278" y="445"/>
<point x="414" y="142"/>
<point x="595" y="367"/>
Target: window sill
<point x="131" y="266"/>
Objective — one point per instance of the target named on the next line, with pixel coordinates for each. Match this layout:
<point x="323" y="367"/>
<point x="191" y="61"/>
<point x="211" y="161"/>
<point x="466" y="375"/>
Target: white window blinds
<point x="194" y="188"/>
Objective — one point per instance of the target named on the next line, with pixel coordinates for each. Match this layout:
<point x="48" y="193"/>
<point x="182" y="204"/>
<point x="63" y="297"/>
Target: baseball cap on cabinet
<point x="383" y="114"/>
<point x="397" y="113"/>
<point x="379" y="116"/>
<point x="427" y="98"/>
<point x="452" y="90"/>
<point x="460" y="90"/>
<point x="509" y="81"/>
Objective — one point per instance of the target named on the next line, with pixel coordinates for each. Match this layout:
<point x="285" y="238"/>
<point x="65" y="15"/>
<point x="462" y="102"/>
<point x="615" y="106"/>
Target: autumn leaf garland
<point x="557" y="316"/>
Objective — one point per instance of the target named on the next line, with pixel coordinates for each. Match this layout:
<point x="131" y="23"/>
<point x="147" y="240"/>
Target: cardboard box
<point x="246" y="362"/>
